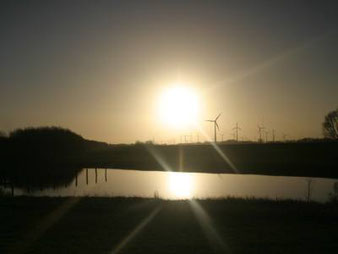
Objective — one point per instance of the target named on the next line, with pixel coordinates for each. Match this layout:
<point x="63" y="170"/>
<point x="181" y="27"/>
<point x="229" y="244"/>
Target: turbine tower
<point x="236" y="129"/>
<point x="273" y="135"/>
<point x="260" y="129"/>
<point x="215" y="126"/>
<point x="266" y="136"/>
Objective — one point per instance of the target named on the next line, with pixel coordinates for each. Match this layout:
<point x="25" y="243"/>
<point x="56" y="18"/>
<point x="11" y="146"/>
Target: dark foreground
<point x="132" y="225"/>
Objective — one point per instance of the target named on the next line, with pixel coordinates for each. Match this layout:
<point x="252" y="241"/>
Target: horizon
<point x="100" y="69"/>
<point x="184" y="140"/>
<point x="168" y="126"/>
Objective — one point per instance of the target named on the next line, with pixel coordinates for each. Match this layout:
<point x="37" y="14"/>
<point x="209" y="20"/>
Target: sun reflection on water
<point x="180" y="185"/>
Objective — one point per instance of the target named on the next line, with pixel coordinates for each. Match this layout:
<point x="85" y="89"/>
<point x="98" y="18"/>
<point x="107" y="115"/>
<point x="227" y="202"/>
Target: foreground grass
<point x="135" y="225"/>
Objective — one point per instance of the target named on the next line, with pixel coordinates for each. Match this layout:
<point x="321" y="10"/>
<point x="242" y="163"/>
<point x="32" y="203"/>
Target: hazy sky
<point x="97" y="67"/>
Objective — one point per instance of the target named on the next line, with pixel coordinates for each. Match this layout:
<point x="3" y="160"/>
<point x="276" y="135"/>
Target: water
<point x="170" y="185"/>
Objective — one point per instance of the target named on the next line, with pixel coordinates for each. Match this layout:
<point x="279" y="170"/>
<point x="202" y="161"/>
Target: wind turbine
<point x="273" y="135"/>
<point x="215" y="125"/>
<point x="237" y="129"/>
<point x="260" y="129"/>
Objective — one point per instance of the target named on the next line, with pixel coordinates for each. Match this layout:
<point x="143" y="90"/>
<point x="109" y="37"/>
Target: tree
<point x="330" y="125"/>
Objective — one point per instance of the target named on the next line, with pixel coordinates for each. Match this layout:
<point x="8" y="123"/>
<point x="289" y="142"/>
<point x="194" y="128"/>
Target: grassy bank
<point x="317" y="159"/>
<point x="134" y="225"/>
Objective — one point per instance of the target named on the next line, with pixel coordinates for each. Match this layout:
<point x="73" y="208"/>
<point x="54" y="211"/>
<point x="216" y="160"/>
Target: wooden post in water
<point x="87" y="176"/>
<point x="12" y="189"/>
<point x="95" y="175"/>
<point x="105" y="175"/>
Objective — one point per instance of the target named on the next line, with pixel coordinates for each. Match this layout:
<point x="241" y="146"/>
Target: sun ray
<point x="44" y="224"/>
<point x="209" y="228"/>
<point x="220" y="152"/>
<point x="136" y="230"/>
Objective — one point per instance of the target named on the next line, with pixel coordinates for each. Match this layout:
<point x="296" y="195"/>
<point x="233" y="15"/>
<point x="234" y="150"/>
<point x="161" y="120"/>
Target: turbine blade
<point x="209" y="120"/>
<point x="218" y="116"/>
<point x="217" y="125"/>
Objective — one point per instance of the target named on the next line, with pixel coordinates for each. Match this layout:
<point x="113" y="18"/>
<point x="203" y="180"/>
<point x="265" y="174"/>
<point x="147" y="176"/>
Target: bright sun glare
<point x="180" y="185"/>
<point x="179" y="107"/>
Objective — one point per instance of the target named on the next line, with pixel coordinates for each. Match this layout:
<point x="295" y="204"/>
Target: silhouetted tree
<point x="330" y="125"/>
<point x="45" y="145"/>
<point x="41" y="157"/>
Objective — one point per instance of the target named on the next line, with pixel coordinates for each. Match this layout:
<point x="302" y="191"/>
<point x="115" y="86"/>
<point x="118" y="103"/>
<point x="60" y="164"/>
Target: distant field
<point x="288" y="159"/>
<point x="134" y="225"/>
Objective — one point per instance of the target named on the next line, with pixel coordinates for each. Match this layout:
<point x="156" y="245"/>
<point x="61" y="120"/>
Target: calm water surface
<point x="170" y="185"/>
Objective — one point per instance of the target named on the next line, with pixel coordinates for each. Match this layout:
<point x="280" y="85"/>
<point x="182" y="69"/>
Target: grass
<point x="99" y="225"/>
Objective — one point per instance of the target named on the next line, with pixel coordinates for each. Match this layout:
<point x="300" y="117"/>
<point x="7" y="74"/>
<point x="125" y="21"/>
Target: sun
<point x="178" y="107"/>
<point x="180" y="185"/>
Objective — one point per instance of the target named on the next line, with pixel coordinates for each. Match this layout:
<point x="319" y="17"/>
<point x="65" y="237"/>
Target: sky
<point x="98" y="67"/>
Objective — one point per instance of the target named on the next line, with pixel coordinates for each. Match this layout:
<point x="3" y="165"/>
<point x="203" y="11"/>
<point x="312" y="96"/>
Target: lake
<point x="176" y="185"/>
